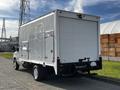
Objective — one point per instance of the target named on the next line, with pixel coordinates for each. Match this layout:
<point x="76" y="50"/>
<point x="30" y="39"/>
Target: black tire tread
<point x="41" y="72"/>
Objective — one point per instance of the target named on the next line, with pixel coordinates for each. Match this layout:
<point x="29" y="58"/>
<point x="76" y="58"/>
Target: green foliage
<point x="7" y="55"/>
<point x="110" y="69"/>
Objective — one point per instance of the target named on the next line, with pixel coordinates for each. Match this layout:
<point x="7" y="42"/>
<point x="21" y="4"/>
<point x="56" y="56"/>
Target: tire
<point x="39" y="73"/>
<point x="15" y="65"/>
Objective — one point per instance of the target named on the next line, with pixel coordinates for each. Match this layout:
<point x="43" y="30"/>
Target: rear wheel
<point x="39" y="72"/>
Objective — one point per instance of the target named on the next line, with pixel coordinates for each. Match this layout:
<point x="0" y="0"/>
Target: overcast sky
<point x="108" y="10"/>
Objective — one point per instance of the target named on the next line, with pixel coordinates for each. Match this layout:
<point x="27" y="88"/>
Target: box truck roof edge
<point x="47" y="14"/>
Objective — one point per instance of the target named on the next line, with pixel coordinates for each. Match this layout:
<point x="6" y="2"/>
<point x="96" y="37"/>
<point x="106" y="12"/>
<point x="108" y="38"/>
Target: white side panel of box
<point x="77" y="39"/>
<point x="39" y="35"/>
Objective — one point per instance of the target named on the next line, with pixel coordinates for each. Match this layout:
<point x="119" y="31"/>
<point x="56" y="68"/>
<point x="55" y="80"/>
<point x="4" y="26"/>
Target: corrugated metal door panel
<point x="78" y="39"/>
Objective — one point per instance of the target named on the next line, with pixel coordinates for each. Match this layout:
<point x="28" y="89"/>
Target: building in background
<point x="10" y="45"/>
<point x="110" y="39"/>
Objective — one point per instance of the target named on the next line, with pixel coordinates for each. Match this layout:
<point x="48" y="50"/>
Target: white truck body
<point x="62" y="35"/>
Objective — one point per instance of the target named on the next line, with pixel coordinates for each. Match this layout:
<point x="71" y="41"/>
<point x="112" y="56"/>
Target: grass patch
<point x="7" y="55"/>
<point x="110" y="69"/>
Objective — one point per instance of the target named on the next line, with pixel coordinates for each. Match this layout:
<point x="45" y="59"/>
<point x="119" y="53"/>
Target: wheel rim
<point x="35" y="73"/>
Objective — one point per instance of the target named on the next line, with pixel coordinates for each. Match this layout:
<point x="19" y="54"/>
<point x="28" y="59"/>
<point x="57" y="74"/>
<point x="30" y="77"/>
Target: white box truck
<point x="60" y="42"/>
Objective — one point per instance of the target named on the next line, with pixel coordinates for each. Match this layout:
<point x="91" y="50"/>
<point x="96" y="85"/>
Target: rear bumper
<point x="79" y="66"/>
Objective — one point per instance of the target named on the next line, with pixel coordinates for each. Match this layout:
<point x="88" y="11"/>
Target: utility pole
<point x="24" y="12"/>
<point x="3" y="34"/>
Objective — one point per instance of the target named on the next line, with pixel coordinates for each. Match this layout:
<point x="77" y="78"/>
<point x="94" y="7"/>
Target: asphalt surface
<point x="23" y="80"/>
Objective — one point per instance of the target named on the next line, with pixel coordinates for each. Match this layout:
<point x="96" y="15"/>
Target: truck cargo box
<point x="61" y="38"/>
